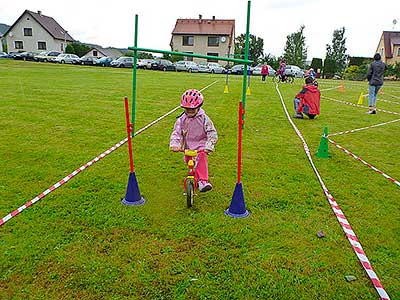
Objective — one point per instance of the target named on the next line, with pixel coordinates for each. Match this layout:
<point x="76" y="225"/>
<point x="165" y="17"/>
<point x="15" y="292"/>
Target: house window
<point x="398" y="51"/>
<point x="213" y="41"/>
<point x="27" y="31"/>
<point x="188" y="58"/>
<point x="95" y="53"/>
<point x="381" y="51"/>
<point x="41" y="45"/>
<point x="212" y="60"/>
<point x="187" y="40"/>
<point x="19" y="45"/>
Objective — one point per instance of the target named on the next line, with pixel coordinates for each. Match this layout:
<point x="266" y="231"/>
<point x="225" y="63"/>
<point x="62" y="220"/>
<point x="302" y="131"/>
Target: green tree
<point x="70" y="49"/>
<point x="256" y="48"/>
<point x="79" y="48"/>
<point x="271" y="60"/>
<point x="295" y="52"/>
<point x="316" y="64"/>
<point x="337" y="51"/>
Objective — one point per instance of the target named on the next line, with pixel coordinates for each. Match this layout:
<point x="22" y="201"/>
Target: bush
<point x="356" y="72"/>
<point x="359" y="61"/>
<point x="393" y="71"/>
<point x="329" y="68"/>
<point x="316" y="64"/>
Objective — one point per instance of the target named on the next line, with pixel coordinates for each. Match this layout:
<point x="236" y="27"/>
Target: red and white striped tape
<point x="357" y="105"/>
<point x="363" y="128"/>
<point x="392" y="102"/>
<point x="351" y="236"/>
<point x="329" y="89"/>
<point x="365" y="163"/>
<point x="85" y="166"/>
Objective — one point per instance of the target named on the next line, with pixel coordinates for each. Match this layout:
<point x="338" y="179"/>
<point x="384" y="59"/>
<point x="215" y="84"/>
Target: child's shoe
<point x="298" y="116"/>
<point x="371" y="112"/>
<point x="204" y="186"/>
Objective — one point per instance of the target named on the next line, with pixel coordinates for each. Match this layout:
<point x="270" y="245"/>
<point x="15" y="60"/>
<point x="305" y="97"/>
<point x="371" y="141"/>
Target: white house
<point x="36" y="32"/>
<point x="98" y="52"/>
<point x="212" y="37"/>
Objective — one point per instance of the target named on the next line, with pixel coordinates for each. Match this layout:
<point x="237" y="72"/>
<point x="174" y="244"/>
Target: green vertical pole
<point x="246" y="55"/>
<point x="134" y="77"/>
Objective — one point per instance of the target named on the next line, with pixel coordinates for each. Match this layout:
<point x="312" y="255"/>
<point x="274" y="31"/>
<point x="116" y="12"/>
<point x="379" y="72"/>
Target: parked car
<point x="3" y="55"/>
<point x="27" y="55"/>
<point x="203" y="67"/>
<point x="257" y="70"/>
<point x="294" y="71"/>
<point x="66" y="58"/>
<point x="163" y="65"/>
<point x="238" y="70"/>
<point x="216" y="68"/>
<point x="122" y="62"/>
<point x="87" y="60"/>
<point x="13" y="54"/>
<point x="145" y="63"/>
<point x="104" y="61"/>
<point x="46" y="56"/>
<point x="188" y="66"/>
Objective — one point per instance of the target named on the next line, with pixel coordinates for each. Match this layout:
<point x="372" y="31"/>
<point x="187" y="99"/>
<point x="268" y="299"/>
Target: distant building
<point x="213" y="37"/>
<point x="102" y="52"/>
<point x="3" y="29"/>
<point x="389" y="47"/>
<point x="36" y="32"/>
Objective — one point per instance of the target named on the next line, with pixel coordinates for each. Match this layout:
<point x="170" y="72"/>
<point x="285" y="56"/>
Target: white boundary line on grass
<point x="392" y="102"/>
<point x="329" y="89"/>
<point x="364" y="162"/>
<point x="85" y="166"/>
<point x="357" y="105"/>
<point x="350" y="234"/>
<point x="363" y="128"/>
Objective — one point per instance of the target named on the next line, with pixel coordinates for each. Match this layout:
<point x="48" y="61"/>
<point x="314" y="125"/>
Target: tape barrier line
<point x="357" y="105"/>
<point x="85" y="166"/>
<point x="394" y="96"/>
<point x="363" y="128"/>
<point x="350" y="234"/>
<point x="329" y="89"/>
<point x="388" y="101"/>
<point x="365" y="163"/>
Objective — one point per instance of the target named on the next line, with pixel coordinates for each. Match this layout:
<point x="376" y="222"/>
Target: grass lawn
<point x="80" y="242"/>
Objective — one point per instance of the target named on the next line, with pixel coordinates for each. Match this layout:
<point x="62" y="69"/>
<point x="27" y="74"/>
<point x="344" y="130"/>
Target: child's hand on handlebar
<point x="175" y="149"/>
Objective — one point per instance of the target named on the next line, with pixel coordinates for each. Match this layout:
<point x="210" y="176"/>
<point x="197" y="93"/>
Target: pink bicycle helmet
<point x="191" y="99"/>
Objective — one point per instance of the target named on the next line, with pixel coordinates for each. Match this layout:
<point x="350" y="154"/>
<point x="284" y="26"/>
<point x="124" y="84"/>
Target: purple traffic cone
<point x="132" y="196"/>
<point x="237" y="209"/>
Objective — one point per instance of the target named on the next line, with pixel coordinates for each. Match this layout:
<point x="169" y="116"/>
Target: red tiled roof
<point x="390" y="38"/>
<point x="204" y="26"/>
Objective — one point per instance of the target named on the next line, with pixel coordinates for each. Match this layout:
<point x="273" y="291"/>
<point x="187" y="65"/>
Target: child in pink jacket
<point x="194" y="130"/>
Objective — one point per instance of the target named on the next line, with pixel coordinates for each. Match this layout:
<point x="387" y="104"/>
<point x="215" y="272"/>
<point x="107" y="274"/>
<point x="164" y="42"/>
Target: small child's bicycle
<point x="190" y="182"/>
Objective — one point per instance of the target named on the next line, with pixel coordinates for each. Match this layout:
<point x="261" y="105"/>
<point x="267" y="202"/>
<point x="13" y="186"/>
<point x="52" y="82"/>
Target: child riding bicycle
<point x="194" y="130"/>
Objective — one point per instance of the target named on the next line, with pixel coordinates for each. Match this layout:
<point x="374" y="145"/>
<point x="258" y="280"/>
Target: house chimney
<point x="39" y="12"/>
<point x="200" y="18"/>
<point x="213" y="18"/>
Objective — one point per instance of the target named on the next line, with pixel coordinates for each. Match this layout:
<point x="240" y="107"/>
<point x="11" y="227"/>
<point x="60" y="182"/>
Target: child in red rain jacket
<point x="307" y="101"/>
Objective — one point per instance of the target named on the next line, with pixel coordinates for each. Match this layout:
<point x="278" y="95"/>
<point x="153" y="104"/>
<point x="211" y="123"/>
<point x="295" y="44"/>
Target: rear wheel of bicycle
<point x="276" y="79"/>
<point x="290" y="79"/>
<point x="189" y="193"/>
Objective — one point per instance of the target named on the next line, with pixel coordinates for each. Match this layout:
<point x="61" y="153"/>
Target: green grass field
<point x="80" y="242"/>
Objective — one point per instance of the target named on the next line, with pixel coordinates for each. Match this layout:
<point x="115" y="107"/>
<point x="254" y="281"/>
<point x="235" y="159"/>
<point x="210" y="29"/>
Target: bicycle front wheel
<point x="290" y="79"/>
<point x="189" y="193"/>
<point x="276" y="79"/>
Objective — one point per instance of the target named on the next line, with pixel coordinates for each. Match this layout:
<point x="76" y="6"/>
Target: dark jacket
<point x="375" y="72"/>
<point x="310" y="96"/>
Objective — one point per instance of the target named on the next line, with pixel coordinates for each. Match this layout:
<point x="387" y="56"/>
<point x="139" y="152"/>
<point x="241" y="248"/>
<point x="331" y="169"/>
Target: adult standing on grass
<point x="264" y="72"/>
<point x="375" y="81"/>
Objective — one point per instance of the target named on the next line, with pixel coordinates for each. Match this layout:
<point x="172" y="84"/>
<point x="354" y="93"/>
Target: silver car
<point x="187" y="66"/>
<point x="66" y="58"/>
<point x="294" y="71"/>
<point x="257" y="70"/>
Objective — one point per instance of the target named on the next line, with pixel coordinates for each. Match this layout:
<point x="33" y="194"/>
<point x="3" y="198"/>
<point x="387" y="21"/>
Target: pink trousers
<point x="201" y="165"/>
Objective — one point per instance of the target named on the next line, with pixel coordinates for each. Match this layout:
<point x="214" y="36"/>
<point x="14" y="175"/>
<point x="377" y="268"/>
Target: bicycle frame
<point x="191" y="167"/>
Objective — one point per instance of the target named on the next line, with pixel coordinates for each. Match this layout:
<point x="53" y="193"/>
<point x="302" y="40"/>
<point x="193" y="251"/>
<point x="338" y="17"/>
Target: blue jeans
<point x="372" y="92"/>
<point x="306" y="109"/>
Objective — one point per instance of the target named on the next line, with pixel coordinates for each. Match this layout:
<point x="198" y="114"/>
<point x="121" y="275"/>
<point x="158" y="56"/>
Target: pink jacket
<point x="194" y="133"/>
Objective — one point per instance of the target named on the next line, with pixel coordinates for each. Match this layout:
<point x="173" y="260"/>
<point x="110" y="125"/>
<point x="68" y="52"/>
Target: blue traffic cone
<point x="132" y="196"/>
<point x="237" y="209"/>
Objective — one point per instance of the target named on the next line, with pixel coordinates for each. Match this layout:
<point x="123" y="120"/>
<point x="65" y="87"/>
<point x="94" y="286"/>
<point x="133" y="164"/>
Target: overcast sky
<point x="112" y="24"/>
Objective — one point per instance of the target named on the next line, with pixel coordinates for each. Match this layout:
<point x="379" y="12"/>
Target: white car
<point x="66" y="58"/>
<point x="187" y="66"/>
<point x="215" y="68"/>
<point x="257" y="70"/>
<point x="294" y="71"/>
